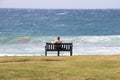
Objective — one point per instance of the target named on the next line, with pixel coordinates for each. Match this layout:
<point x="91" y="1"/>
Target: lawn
<point x="60" y="68"/>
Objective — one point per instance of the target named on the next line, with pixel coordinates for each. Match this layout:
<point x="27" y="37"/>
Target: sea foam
<point x="82" y="45"/>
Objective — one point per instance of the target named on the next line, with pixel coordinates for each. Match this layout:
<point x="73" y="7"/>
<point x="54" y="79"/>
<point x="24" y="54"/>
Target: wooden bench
<point x="58" y="47"/>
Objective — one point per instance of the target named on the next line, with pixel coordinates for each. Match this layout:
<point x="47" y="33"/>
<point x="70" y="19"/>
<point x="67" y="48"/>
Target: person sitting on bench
<point x="57" y="42"/>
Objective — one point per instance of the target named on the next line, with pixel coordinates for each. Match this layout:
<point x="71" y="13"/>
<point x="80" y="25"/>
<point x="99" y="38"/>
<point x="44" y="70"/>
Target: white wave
<point x="64" y="13"/>
<point x="42" y="18"/>
<point x="82" y="45"/>
<point x="96" y="50"/>
<point x="115" y="39"/>
<point x="96" y="40"/>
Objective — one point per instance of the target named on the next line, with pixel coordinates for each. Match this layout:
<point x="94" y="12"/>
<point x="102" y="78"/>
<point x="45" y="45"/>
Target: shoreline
<point x="54" y="55"/>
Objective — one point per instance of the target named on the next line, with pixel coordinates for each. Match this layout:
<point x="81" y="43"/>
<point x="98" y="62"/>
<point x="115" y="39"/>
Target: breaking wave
<point x="82" y="45"/>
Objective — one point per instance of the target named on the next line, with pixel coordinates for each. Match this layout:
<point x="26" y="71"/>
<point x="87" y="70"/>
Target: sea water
<point x="24" y="32"/>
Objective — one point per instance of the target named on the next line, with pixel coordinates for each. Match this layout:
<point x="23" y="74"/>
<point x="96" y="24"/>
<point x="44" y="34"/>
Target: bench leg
<point x="71" y="53"/>
<point x="58" y="53"/>
<point x="45" y="53"/>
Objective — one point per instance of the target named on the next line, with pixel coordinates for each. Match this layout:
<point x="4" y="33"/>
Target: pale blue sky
<point x="61" y="4"/>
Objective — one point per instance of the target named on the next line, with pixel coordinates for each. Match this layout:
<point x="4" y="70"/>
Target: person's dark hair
<point x="58" y="38"/>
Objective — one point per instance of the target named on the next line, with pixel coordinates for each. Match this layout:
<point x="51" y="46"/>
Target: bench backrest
<point x="59" y="46"/>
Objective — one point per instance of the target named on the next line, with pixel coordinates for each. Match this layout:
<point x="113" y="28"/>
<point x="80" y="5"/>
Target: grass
<point x="60" y="68"/>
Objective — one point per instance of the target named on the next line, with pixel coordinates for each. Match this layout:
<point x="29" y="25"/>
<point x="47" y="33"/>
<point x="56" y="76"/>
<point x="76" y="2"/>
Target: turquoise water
<point x="92" y="32"/>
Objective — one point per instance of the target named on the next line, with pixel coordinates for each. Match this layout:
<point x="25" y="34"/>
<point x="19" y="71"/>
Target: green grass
<point x="60" y="68"/>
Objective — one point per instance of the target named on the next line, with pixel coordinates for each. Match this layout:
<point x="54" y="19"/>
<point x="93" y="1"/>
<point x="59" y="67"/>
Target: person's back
<point x="58" y="40"/>
<point x="56" y="43"/>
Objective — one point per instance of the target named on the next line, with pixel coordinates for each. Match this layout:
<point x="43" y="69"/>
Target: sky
<point x="61" y="4"/>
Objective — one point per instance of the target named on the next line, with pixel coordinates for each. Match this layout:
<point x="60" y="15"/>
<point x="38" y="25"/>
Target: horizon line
<point x="63" y="8"/>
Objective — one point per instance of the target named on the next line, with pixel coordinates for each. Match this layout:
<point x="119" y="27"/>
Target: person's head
<point x="58" y="38"/>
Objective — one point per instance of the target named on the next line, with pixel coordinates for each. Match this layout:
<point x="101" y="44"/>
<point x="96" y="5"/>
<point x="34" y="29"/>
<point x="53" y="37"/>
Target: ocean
<point x="24" y="32"/>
